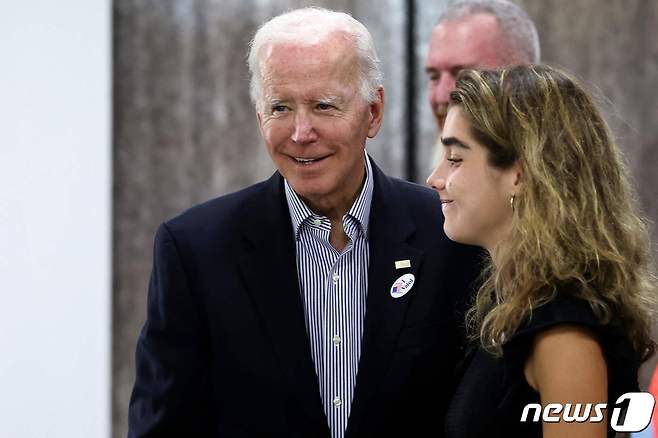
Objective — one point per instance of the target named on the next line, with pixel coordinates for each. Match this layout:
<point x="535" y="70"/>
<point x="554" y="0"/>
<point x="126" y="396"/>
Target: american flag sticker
<point x="402" y="285"/>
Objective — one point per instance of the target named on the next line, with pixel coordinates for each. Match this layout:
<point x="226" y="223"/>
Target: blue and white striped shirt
<point x="333" y="290"/>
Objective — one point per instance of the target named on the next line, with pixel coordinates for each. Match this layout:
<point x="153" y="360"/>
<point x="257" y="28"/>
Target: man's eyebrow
<point x="272" y="100"/>
<point x="331" y="100"/>
<point x="454" y="141"/>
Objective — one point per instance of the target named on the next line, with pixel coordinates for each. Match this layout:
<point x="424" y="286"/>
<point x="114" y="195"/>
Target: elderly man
<point x="476" y="34"/>
<point x="320" y="302"/>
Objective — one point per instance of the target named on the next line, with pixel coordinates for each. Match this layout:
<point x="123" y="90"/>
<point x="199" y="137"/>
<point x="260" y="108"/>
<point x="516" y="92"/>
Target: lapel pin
<point x="402" y="285"/>
<point x="401" y="264"/>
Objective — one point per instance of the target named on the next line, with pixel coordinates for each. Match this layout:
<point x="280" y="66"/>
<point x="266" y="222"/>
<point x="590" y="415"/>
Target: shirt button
<point x="336" y="340"/>
<point x="337" y="402"/>
<point x="317" y="222"/>
<point x="335" y="277"/>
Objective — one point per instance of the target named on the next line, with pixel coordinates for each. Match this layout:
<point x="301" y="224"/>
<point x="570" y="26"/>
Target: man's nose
<point x="440" y="93"/>
<point x="303" y="131"/>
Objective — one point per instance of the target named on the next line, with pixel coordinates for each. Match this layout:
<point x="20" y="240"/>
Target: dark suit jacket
<point x="224" y="351"/>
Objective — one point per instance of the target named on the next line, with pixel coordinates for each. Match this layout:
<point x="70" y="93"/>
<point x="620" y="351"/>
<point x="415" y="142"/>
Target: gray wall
<point x="184" y="130"/>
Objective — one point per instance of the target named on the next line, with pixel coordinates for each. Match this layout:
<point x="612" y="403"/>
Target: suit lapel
<point x="270" y="273"/>
<point x="390" y="227"/>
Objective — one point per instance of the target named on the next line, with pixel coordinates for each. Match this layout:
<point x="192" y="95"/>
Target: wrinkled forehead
<point x="475" y="41"/>
<point x="328" y="57"/>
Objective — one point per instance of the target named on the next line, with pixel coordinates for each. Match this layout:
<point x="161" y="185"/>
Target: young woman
<point x="530" y="172"/>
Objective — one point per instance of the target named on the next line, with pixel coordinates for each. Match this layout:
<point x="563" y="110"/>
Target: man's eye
<point x="278" y="108"/>
<point x="324" y="106"/>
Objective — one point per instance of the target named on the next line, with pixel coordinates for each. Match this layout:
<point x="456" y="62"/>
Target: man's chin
<point x="309" y="188"/>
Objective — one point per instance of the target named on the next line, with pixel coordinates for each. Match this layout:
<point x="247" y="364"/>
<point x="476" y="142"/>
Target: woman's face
<point x="475" y="196"/>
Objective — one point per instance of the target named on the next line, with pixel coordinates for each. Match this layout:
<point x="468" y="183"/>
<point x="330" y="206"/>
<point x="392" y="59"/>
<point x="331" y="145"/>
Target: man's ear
<point x="376" y="113"/>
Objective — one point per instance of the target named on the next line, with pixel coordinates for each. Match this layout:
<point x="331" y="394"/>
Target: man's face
<point x="472" y="42"/>
<point x="314" y="120"/>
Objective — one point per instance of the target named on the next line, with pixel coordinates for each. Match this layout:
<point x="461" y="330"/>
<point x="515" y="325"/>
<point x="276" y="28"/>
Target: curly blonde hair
<point x="576" y="224"/>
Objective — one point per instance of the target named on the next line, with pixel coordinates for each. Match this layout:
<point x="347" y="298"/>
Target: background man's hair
<point x="517" y="28"/>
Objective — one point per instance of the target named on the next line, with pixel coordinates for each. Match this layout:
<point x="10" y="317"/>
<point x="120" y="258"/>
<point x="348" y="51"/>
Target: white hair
<point x="516" y="27"/>
<point x="310" y="26"/>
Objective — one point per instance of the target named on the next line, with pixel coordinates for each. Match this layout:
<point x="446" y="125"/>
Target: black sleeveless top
<point x="490" y="398"/>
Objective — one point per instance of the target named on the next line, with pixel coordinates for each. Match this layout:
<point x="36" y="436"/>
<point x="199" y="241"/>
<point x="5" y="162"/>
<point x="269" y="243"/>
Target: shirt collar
<point x="360" y="210"/>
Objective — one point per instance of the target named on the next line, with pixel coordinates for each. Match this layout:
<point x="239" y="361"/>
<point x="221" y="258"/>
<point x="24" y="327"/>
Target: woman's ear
<point x="517" y="176"/>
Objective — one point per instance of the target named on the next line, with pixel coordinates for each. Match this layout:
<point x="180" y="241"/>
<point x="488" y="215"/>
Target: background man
<point x="320" y="302"/>
<point x="476" y="34"/>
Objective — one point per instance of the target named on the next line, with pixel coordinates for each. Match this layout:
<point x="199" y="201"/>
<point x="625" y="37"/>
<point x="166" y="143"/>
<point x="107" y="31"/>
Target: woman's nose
<point x="436" y="180"/>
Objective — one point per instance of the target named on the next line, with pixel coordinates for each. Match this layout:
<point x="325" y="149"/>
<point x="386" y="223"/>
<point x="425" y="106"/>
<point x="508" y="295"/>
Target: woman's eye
<point x="454" y="161"/>
<point x="278" y="108"/>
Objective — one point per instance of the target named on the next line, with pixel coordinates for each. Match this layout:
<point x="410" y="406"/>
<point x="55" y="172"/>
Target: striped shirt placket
<point x="333" y="292"/>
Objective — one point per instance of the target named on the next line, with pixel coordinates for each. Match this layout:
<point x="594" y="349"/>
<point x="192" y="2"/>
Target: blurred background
<point x="117" y="115"/>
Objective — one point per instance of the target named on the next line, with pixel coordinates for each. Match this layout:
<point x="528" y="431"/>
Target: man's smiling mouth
<point x="308" y="161"/>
